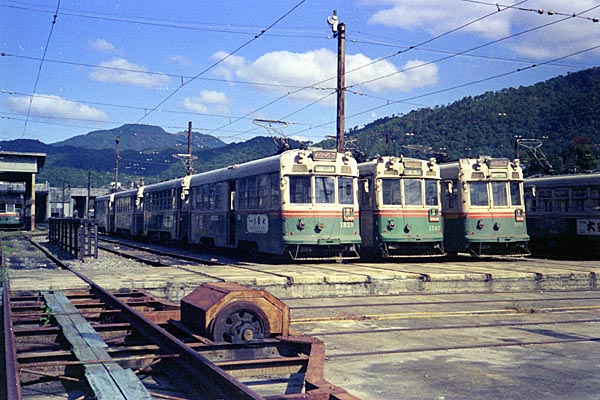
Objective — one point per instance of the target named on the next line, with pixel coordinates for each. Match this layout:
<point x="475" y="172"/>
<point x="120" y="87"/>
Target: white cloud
<point x="104" y="46"/>
<point x="54" y="106"/>
<point x="284" y="72"/>
<point x="119" y="70"/>
<point x="559" y="39"/>
<point x="207" y="101"/>
<point x="179" y="59"/>
<point x="440" y="16"/>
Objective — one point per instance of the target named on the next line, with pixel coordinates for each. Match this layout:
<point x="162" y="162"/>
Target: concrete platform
<point x="328" y="279"/>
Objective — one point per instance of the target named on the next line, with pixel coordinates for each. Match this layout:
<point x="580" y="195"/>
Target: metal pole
<point x="341" y="86"/>
<point x="86" y="214"/>
<point x="117" y="140"/>
<point x="190" y="167"/>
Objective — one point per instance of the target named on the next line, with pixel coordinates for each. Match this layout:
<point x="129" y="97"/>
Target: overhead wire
<point x="373" y="62"/>
<point x="392" y="102"/>
<point x="222" y="59"/>
<point x="185" y="25"/>
<point x="388" y="102"/>
<point x="535" y="10"/>
<point x="299" y="87"/>
<point x="39" y="71"/>
<point x="470" y="50"/>
<point x="170" y="75"/>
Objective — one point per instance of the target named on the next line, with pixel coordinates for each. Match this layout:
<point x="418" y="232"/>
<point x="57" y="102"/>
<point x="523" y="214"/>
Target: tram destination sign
<point x="324" y="155"/>
<point x="588" y="226"/>
<point x="498" y="163"/>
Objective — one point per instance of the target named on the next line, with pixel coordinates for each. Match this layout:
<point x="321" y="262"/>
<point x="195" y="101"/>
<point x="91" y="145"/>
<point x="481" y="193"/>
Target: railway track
<point x="552" y="315"/>
<point x="131" y="345"/>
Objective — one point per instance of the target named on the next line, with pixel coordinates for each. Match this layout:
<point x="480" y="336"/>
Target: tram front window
<point x="324" y="189"/>
<point x="515" y="193"/>
<point x="300" y="189"/>
<point x="478" y="194"/>
<point x="413" y="194"/>
<point x="431" y="192"/>
<point x="499" y="194"/>
<point x="345" y="190"/>
<point x="391" y="192"/>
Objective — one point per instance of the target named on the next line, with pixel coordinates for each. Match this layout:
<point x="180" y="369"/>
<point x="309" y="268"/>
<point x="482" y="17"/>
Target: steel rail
<point x="450" y="327"/>
<point x="12" y="384"/>
<point x="203" y="375"/>
<point x="464" y="347"/>
<point x="440" y="302"/>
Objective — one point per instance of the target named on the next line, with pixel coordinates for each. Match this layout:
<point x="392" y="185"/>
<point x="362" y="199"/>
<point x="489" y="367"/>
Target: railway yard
<point x="520" y="328"/>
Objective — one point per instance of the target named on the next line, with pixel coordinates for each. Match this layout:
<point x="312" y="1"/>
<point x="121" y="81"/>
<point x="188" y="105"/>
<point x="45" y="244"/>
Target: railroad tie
<point x="107" y="379"/>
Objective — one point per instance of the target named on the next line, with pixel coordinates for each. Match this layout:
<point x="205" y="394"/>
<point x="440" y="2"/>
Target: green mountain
<point x="72" y="164"/>
<point x="560" y="116"/>
<point x="140" y="137"/>
<point x="562" y="113"/>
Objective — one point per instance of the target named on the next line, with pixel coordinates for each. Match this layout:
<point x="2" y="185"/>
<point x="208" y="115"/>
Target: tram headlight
<point x="301" y="156"/>
<point x="347" y="157"/>
<point x="391" y="224"/>
<point x="300" y="225"/>
<point x="320" y="226"/>
<point x="480" y="224"/>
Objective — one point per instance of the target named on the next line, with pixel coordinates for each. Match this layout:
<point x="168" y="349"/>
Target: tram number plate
<point x="588" y="226"/>
<point x="257" y="223"/>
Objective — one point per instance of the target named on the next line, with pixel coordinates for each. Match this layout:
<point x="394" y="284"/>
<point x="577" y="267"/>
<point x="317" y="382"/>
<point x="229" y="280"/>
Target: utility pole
<point x="86" y="214"/>
<point x="187" y="158"/>
<point x="339" y="31"/>
<point x="117" y="140"/>
<point x="190" y="166"/>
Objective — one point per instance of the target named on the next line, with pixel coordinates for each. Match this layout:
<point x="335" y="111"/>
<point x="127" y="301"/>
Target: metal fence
<point x="78" y="236"/>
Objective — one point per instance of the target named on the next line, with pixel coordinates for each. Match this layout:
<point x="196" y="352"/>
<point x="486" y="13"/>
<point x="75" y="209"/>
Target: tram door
<point x="231" y="214"/>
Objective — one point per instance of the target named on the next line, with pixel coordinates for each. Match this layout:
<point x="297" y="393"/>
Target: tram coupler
<point x="230" y="312"/>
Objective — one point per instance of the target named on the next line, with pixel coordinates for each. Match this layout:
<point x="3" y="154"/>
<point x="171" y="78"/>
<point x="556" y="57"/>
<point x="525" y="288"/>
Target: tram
<point x="11" y="211"/>
<point x="563" y="214"/>
<point x="301" y="204"/>
<point x="400" y="212"/>
<point x="483" y="207"/>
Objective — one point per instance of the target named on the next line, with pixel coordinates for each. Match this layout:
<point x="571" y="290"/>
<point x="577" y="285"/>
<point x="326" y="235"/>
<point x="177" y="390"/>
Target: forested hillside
<point x="72" y="164"/>
<point x="562" y="112"/>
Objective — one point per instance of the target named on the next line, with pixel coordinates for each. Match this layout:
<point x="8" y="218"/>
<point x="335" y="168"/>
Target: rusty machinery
<point x="230" y="312"/>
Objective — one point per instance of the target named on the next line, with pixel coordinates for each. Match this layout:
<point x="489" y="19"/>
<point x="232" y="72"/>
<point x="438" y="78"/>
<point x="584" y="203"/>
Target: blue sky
<point x="71" y="67"/>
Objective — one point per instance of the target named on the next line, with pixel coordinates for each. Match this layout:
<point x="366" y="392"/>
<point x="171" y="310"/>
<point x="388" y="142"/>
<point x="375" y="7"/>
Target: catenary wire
<point x="39" y="71"/>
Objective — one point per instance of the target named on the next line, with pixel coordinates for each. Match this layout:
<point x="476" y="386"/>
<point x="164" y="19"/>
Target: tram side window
<point x="391" y="192"/>
<point x="366" y="197"/>
<point x="252" y="193"/>
<point x="544" y="200"/>
<point x="595" y="198"/>
<point x="478" y="194"/>
<point x="324" y="190"/>
<point x="561" y="200"/>
<point x="3" y="207"/>
<point x="450" y="197"/>
<point x="213" y="196"/>
<point x="515" y="194"/>
<point x="241" y="194"/>
<point x="499" y="195"/>
<point x="263" y="183"/>
<point x="413" y="193"/>
<point x="431" y="192"/>
<point x="275" y="191"/>
<point x="345" y="190"/>
<point x="300" y="189"/>
<point x="578" y="199"/>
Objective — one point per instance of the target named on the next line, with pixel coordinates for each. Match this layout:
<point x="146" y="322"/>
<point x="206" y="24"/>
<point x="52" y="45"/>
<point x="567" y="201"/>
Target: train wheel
<point x="240" y="322"/>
